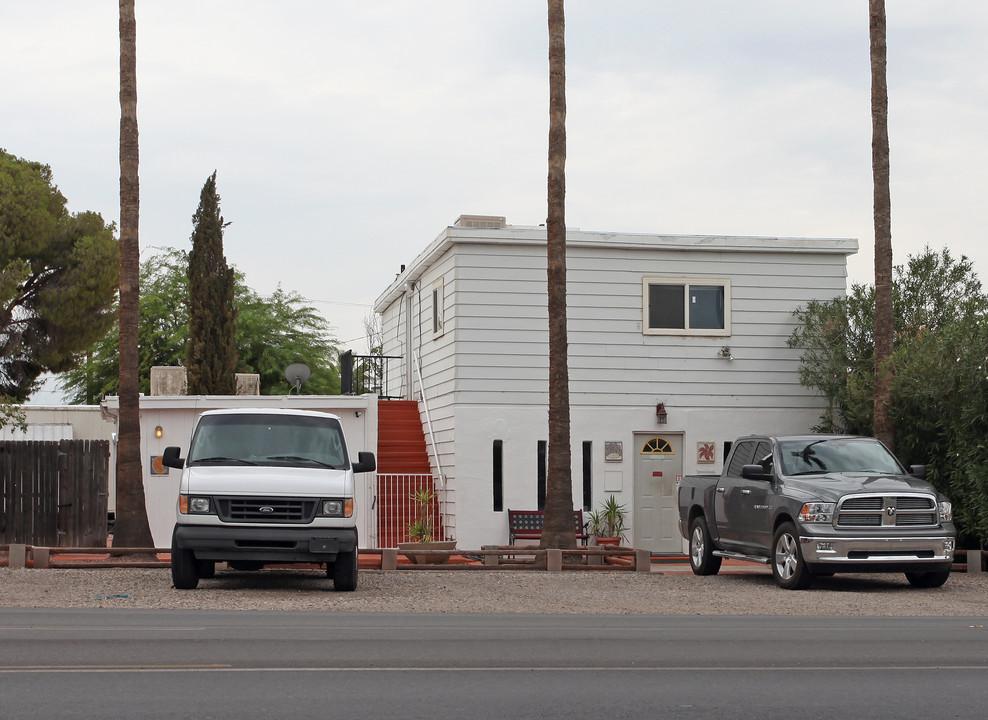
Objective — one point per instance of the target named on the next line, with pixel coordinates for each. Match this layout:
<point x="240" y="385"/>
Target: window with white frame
<point x="686" y="306"/>
<point x="438" y="301"/>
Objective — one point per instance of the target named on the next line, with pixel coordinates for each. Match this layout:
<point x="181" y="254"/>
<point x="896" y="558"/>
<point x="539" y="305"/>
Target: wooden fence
<point x="54" y="493"/>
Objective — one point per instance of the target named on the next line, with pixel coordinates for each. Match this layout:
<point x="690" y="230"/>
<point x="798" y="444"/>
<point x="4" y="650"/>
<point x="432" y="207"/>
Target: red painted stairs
<point x="401" y="452"/>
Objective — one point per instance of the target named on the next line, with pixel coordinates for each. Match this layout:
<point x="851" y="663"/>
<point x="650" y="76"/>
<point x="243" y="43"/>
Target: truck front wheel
<point x="788" y="568"/>
<point x="344" y="571"/>
<point x="929" y="579"/>
<point x="185" y="573"/>
<point x="702" y="558"/>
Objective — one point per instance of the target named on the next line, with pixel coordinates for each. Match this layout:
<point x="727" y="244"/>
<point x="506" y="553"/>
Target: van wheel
<point x="185" y="575"/>
<point x="788" y="568"/>
<point x="702" y="559"/>
<point x="206" y="568"/>
<point x="344" y="571"/>
<point x="927" y="580"/>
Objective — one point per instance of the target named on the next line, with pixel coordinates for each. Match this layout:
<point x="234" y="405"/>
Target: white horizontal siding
<point x="502" y="327"/>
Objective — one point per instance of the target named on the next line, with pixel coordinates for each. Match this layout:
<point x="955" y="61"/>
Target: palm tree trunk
<point x="131" y="528"/>
<point x="557" y="531"/>
<point x="884" y="319"/>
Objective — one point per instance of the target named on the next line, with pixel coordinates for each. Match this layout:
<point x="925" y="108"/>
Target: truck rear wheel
<point x="185" y="575"/>
<point x="345" y="571"/>
<point x="928" y="580"/>
<point x="788" y="568"/>
<point x="702" y="558"/>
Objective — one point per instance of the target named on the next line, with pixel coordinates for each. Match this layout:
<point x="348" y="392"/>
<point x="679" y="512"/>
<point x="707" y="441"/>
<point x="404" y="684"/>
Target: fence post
<point x="42" y="557"/>
<point x="643" y="561"/>
<point x="389" y="559"/>
<point x="18" y="556"/>
<point x="973" y="561"/>
<point x="554" y="560"/>
<point x="491" y="560"/>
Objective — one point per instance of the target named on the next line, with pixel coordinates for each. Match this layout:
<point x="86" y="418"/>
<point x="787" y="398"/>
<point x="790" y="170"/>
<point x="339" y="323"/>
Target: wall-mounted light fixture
<point x="725" y="352"/>
<point x="158" y="432"/>
<point x="660" y="413"/>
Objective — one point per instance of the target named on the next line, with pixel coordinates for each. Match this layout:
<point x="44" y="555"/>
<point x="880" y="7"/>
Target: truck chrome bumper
<point x="877" y="551"/>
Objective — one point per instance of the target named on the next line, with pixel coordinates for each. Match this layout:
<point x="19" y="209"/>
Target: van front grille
<point x="265" y="510"/>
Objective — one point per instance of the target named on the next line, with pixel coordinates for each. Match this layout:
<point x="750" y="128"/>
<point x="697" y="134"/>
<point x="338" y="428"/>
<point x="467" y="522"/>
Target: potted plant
<point x="420" y="530"/>
<point x="607" y="523"/>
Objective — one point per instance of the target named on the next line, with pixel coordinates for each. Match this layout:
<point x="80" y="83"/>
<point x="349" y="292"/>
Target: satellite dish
<point x="296" y="374"/>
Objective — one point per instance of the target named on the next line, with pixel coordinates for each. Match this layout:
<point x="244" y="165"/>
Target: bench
<point x="527" y="525"/>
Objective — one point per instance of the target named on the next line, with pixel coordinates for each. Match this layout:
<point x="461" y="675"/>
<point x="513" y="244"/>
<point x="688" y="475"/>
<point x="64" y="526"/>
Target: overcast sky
<point x="347" y="135"/>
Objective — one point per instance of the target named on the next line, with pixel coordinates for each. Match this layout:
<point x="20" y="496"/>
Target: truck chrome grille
<point x="265" y="510"/>
<point x="887" y="510"/>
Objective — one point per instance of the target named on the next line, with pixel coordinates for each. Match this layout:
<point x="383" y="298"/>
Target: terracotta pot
<point x="609" y="541"/>
<point x="408" y="549"/>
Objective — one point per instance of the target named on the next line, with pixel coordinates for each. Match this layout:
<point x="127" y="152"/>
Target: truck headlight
<point x="946" y="511"/>
<point x="817" y="512"/>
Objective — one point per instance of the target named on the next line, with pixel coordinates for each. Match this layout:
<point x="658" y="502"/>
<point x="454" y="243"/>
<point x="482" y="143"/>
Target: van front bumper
<point x="265" y="544"/>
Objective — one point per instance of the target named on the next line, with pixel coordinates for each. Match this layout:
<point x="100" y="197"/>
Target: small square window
<point x="686" y="306"/>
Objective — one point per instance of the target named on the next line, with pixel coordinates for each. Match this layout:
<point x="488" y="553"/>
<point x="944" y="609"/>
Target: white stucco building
<point x="677" y="345"/>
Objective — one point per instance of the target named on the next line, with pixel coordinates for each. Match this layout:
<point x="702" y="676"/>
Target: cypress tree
<point x="211" y="353"/>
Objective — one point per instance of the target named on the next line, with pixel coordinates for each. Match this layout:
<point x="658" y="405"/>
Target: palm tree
<point x="883" y="224"/>
<point x="557" y="529"/>
<point x="131" y="528"/>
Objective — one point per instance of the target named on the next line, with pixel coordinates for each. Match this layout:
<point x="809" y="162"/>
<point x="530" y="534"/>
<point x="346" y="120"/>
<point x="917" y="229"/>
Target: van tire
<point x="185" y="574"/>
<point x="345" y="571"/>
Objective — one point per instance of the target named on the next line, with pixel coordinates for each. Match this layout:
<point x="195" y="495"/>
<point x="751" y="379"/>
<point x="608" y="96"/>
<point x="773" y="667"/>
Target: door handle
<point x="720" y="489"/>
<point x="746" y="492"/>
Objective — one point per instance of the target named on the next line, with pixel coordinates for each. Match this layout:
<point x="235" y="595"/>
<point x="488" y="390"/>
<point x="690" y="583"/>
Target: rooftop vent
<point x="487" y="222"/>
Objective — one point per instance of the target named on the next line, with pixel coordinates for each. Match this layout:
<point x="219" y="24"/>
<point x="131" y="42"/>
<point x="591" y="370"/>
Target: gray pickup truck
<point x="817" y="505"/>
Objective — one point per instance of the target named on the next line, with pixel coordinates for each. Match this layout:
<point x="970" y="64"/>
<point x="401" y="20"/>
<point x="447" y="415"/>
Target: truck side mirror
<point x="755" y="472"/>
<point x="365" y="462"/>
<point x="918" y="471"/>
<point x="171" y="458"/>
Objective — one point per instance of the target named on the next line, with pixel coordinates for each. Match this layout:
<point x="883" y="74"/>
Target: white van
<point x="266" y="486"/>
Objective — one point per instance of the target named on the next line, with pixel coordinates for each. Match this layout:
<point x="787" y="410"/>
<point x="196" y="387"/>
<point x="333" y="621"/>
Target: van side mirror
<point x="755" y="472"/>
<point x="365" y="462"/>
<point x="171" y="458"/>
<point x="918" y="471"/>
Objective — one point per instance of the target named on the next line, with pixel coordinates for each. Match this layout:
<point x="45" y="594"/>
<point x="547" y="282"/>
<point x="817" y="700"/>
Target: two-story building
<point x="677" y="345"/>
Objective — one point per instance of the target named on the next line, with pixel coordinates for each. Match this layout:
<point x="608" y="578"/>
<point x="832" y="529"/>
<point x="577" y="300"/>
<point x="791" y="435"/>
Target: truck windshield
<point x="810" y="457"/>
<point x="299" y="440"/>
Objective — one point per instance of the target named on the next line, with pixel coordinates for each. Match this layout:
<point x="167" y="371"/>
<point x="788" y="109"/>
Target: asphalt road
<point x="218" y="664"/>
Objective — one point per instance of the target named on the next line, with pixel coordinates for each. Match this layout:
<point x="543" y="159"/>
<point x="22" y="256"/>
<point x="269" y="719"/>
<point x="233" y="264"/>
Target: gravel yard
<point x="448" y="591"/>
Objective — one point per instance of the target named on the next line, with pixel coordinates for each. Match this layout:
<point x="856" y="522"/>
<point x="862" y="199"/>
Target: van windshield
<point x="812" y="457"/>
<point x="298" y="440"/>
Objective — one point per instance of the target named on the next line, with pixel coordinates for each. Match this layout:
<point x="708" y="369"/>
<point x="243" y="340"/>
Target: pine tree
<point x="211" y="354"/>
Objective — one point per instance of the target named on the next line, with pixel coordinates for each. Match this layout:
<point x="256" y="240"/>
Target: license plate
<point x="324" y="545"/>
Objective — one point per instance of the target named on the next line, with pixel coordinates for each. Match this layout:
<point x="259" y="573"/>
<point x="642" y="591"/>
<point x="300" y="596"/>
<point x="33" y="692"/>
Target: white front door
<point x="658" y="467"/>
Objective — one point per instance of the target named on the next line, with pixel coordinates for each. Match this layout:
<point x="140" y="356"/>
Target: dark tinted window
<point x="665" y="306"/>
<point x="743" y="454"/>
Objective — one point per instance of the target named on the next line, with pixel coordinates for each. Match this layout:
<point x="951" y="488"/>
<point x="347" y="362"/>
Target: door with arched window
<point x="658" y="467"/>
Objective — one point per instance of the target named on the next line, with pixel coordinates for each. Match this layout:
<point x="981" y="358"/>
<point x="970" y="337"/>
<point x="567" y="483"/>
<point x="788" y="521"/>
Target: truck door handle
<point x="746" y="492"/>
<point x="720" y="489"/>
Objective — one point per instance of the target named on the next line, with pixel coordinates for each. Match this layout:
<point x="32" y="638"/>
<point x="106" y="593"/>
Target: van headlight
<point x="194" y="504"/>
<point x="336" y="507"/>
